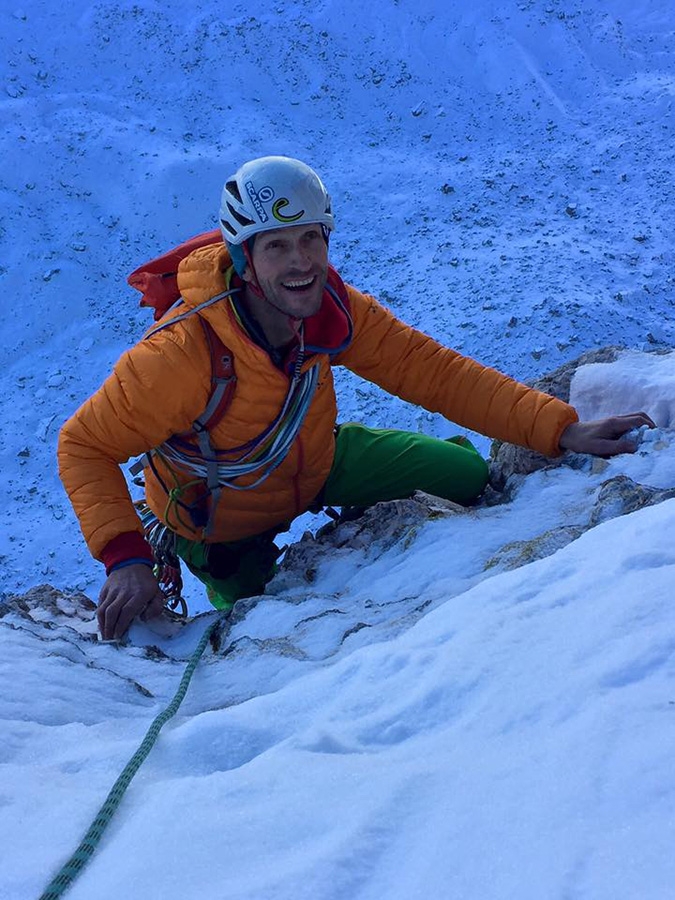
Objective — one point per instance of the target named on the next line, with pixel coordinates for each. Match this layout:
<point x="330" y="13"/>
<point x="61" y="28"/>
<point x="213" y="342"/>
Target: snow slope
<point x="424" y="719"/>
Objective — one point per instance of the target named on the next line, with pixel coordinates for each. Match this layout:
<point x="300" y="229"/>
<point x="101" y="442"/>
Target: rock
<point x="508" y="460"/>
<point x="617" y="496"/>
<point x="520" y="553"/>
<point x="557" y="383"/>
<point x="621" y="495"/>
<point x="49" y="606"/>
<point x="383" y="524"/>
<point x="599" y="465"/>
<point x="43" y="427"/>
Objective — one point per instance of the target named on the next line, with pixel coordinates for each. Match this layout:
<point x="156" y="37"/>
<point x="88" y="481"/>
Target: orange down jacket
<point x="162" y="384"/>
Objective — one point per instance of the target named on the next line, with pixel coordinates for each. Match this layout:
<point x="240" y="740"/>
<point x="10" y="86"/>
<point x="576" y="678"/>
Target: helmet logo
<point x="280" y="204"/>
<point x="256" y="199"/>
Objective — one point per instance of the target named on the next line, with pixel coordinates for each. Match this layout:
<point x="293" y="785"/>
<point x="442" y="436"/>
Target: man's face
<point x="291" y="265"/>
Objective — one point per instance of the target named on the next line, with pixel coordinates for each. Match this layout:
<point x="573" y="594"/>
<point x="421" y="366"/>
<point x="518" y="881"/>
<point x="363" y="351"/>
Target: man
<point x="217" y="495"/>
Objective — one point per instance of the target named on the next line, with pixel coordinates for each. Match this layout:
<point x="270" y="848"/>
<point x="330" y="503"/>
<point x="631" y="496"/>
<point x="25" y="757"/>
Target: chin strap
<point x="252" y="285"/>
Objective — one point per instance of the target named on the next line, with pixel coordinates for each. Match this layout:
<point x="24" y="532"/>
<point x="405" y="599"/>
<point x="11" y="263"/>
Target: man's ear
<point x="247" y="275"/>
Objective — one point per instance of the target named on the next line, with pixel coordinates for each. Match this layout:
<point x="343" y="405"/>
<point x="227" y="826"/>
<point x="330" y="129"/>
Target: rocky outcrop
<point x="519" y="553"/>
<point x="621" y="495"/>
<point x="383" y="525"/>
<point x="50" y="607"/>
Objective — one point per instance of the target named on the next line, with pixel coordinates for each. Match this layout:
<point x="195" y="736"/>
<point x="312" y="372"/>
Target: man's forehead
<point x="287" y="231"/>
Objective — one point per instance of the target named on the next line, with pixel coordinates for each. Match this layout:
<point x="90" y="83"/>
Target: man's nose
<point x="300" y="257"/>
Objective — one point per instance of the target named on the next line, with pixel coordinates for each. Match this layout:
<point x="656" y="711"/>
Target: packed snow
<point x="480" y="705"/>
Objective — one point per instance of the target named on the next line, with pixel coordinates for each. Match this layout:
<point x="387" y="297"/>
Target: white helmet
<point x="272" y="192"/>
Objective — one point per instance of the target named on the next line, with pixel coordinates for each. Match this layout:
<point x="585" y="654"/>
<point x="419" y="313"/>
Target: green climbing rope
<point x="69" y="872"/>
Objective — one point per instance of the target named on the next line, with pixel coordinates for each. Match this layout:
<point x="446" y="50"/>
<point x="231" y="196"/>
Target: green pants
<point x="370" y="465"/>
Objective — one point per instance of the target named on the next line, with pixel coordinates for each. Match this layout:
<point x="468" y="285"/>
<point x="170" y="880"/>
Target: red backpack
<point x="157" y="280"/>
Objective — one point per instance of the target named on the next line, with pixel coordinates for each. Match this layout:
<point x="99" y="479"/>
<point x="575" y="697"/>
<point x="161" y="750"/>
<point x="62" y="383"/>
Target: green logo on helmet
<point x="280" y="204"/>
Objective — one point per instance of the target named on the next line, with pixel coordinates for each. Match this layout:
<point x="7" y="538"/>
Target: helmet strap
<point x="253" y="284"/>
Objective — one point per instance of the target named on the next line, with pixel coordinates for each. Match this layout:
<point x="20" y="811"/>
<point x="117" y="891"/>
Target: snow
<point x="443" y="714"/>
<point x="634" y="382"/>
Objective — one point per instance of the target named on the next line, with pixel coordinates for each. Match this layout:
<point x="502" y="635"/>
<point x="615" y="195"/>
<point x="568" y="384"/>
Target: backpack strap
<point x="223" y="385"/>
<point x="223" y="381"/>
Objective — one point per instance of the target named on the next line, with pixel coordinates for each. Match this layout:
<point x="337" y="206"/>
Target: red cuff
<point x="129" y="545"/>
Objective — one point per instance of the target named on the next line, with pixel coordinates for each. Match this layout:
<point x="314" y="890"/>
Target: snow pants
<point x="370" y="465"/>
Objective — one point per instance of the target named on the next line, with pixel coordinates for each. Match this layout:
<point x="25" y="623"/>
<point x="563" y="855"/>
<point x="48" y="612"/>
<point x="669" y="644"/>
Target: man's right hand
<point x="127" y="593"/>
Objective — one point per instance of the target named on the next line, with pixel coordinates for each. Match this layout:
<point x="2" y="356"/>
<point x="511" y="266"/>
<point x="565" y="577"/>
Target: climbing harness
<point x="77" y="862"/>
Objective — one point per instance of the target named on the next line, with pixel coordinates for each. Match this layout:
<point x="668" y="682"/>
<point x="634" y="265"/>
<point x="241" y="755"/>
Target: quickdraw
<point x="167" y="563"/>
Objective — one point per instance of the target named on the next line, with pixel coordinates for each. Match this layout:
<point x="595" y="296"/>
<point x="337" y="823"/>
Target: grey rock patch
<point x="387" y="522"/>
<point x="621" y="495"/>
<point x="68" y="617"/>
<point x="508" y="460"/>
<point x="279" y="646"/>
<point x="383" y="524"/>
<point x="558" y="382"/>
<point x="519" y="553"/>
<point x="49" y="607"/>
<point x="617" y="496"/>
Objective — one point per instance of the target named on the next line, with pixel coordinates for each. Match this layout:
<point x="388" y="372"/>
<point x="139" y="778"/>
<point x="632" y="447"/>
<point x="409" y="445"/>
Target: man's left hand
<point x="604" y="437"/>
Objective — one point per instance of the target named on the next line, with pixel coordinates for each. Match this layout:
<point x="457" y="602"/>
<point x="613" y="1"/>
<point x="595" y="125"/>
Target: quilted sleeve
<point x="157" y="389"/>
<point x="416" y="368"/>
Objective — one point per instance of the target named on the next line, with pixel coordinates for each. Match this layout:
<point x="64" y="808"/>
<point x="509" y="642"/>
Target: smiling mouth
<point x="298" y="285"/>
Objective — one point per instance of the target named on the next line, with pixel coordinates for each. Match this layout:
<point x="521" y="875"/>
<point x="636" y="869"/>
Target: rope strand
<point x="77" y="862"/>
